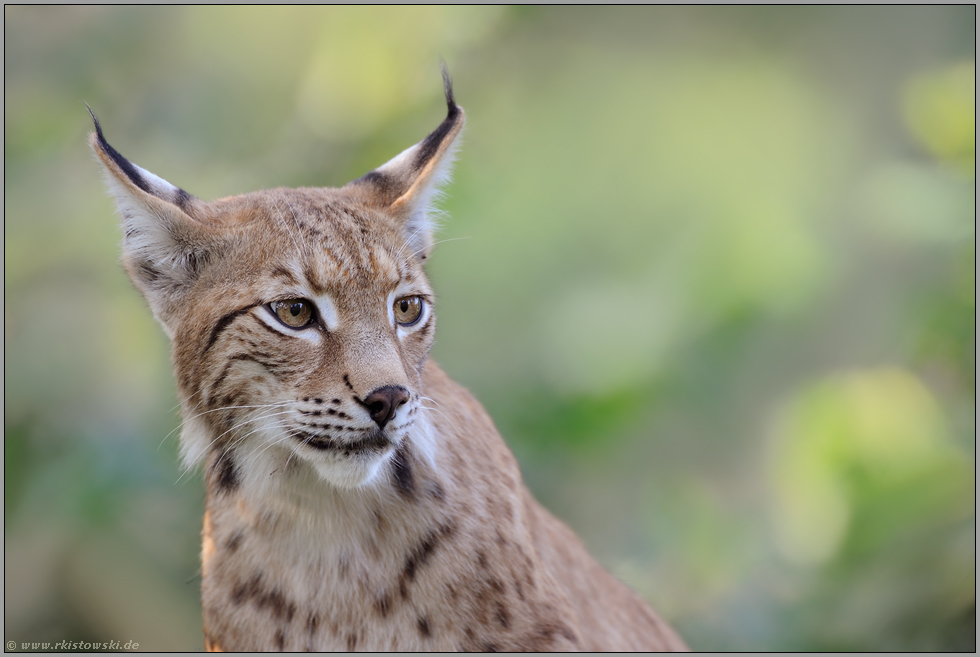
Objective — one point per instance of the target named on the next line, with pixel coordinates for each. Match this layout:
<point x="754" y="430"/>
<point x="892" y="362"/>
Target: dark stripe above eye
<point x="222" y="324"/>
<point x="285" y="274"/>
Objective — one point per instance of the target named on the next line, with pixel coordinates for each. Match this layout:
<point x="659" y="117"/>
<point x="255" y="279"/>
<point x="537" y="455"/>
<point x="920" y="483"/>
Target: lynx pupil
<point x="294" y="313"/>
<point x="408" y="310"/>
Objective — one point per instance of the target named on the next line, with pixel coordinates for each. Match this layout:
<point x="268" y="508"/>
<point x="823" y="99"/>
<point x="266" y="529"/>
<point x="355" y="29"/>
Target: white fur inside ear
<point x="163" y="247"/>
<point x="424" y="211"/>
<point x="421" y="202"/>
<point x="147" y="232"/>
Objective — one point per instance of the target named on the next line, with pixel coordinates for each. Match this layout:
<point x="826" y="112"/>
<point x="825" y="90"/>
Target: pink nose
<point x="383" y="403"/>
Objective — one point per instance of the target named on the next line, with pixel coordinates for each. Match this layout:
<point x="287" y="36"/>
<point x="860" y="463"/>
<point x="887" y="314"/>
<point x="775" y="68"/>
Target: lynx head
<point x="299" y="319"/>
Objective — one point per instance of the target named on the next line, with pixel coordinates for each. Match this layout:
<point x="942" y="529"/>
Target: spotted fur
<point x="334" y="522"/>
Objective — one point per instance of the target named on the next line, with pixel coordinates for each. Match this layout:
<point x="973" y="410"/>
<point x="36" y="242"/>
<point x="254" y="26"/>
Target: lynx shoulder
<point x="356" y="498"/>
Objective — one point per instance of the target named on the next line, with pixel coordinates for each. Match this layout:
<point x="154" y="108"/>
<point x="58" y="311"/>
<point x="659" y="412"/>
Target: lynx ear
<point x="408" y="184"/>
<point x="165" y="244"/>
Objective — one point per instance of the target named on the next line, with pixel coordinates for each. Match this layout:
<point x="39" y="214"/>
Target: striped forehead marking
<point x="375" y="266"/>
<point x="338" y="246"/>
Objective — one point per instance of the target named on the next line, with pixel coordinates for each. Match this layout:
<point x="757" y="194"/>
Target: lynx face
<point x="319" y="354"/>
<point x="300" y="319"/>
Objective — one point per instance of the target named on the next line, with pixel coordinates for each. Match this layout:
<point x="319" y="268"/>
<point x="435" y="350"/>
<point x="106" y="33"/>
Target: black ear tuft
<point x="127" y="167"/>
<point x="447" y="85"/>
<point x="95" y="120"/>
<point x="408" y="183"/>
<point x="431" y="144"/>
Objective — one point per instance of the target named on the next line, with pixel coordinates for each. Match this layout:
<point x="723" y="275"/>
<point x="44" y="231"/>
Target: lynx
<point x="356" y="497"/>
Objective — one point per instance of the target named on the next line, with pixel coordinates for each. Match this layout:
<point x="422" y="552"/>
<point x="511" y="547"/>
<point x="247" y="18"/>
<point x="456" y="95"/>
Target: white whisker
<point x="282" y="218"/>
<point x="215" y="410"/>
<point x="408" y="241"/>
<point x="451" y="239"/>
<point x="446" y="417"/>
<point x="302" y="237"/>
<point x="244" y="422"/>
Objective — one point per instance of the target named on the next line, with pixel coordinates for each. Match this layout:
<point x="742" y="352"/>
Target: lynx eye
<point x="408" y="310"/>
<point x="294" y="313"/>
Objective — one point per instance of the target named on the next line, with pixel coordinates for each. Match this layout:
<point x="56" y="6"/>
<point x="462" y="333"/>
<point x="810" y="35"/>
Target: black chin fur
<point x="374" y="442"/>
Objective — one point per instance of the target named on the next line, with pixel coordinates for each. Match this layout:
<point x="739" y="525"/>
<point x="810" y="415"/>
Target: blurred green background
<point x="717" y="290"/>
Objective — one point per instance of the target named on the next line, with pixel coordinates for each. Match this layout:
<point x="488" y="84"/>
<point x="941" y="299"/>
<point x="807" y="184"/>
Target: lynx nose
<point x="384" y="402"/>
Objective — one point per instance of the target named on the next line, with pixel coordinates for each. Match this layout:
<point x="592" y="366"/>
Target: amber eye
<point x="408" y="310"/>
<point x="294" y="313"/>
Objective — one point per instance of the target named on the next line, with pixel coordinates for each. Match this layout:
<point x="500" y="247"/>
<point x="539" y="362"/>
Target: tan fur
<point x="326" y="529"/>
